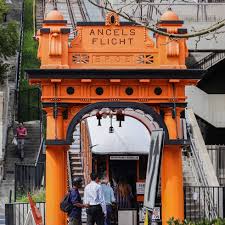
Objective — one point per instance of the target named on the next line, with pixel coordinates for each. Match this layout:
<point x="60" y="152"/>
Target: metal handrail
<point x="19" y="53"/>
<point x="69" y="170"/>
<point x="199" y="169"/>
<point x="83" y="10"/>
<point x="70" y="11"/>
<point x="39" y="152"/>
<point x="209" y="60"/>
<point x="43" y="8"/>
<point x="34" y="18"/>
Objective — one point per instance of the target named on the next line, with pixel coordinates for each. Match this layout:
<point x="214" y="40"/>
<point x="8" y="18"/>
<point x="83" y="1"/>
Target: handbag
<point x="14" y="141"/>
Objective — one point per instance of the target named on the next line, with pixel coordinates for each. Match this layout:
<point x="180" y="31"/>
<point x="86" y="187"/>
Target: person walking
<point x="93" y="196"/>
<point x="109" y="200"/>
<point x="75" y="199"/>
<point x="21" y="133"/>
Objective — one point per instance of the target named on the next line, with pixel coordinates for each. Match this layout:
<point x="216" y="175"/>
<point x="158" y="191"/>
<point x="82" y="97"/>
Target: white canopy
<point x="132" y="138"/>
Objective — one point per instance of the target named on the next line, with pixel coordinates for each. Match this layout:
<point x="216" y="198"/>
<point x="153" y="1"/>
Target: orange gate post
<point x="113" y="64"/>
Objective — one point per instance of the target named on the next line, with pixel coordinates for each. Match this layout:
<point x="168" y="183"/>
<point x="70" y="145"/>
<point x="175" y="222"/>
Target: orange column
<point x="172" y="175"/>
<point x="56" y="169"/>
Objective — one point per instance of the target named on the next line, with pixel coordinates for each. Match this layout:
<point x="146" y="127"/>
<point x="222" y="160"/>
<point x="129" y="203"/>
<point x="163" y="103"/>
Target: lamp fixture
<point x="99" y="117"/>
<point x="120" y="117"/>
<point x="111" y="128"/>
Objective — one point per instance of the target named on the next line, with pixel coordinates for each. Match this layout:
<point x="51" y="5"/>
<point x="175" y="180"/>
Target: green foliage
<point x="8" y="40"/>
<point x="3" y="10"/>
<point x="218" y="221"/>
<point x="29" y="51"/>
<point x="37" y="196"/>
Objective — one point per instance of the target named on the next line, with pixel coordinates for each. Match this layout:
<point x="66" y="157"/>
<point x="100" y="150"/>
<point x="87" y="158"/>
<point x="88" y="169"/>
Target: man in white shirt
<point x="93" y="196"/>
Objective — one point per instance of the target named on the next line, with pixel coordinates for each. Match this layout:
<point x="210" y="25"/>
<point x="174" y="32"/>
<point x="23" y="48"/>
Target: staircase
<point x="31" y="147"/>
<point x="39" y="13"/>
<point x="62" y="6"/>
<point x="209" y="61"/>
<point x="2" y="219"/>
<point x="75" y="157"/>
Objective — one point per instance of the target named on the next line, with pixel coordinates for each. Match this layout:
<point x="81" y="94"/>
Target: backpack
<point x="66" y="205"/>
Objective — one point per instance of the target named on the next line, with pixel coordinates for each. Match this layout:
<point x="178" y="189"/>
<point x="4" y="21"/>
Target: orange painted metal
<point x="171" y="172"/>
<point x="35" y="211"/>
<point x="111" y="46"/>
<point x="56" y="183"/>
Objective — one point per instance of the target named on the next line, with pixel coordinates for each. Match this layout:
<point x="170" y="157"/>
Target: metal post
<point x="10" y="214"/>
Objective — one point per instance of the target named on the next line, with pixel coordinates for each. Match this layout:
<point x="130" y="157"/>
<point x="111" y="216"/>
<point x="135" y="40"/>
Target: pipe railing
<point x="198" y="168"/>
<point x="69" y="170"/>
<point x="209" y="60"/>
<point x="70" y="11"/>
<point x="40" y="152"/>
<point x="19" y="55"/>
<point x="34" y="18"/>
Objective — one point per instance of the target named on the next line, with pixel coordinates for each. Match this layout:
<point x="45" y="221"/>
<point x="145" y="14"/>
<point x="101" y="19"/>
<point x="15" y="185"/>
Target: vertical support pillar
<point x="172" y="174"/>
<point x="56" y="181"/>
<point x="56" y="168"/>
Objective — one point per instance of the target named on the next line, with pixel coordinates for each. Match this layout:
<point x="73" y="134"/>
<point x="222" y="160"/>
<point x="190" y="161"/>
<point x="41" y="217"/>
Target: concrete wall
<point x="1" y="134"/>
<point x="209" y="107"/>
<point x="4" y="100"/>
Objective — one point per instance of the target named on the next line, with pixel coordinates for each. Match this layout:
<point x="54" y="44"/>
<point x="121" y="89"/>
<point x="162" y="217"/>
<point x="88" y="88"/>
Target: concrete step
<point x="76" y="163"/>
<point x="77" y="174"/>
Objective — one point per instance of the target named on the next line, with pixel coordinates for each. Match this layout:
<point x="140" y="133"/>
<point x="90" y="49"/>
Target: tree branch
<point x="152" y="28"/>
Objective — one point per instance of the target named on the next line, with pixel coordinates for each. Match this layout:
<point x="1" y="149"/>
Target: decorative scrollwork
<point x="80" y="58"/>
<point x="145" y="59"/>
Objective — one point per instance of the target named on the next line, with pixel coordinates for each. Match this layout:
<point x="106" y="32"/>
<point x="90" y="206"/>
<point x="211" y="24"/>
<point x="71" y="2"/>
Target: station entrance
<point x="96" y="70"/>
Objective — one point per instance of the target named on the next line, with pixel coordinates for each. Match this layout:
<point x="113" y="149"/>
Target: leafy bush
<point x="37" y="196"/>
<point x="29" y="51"/>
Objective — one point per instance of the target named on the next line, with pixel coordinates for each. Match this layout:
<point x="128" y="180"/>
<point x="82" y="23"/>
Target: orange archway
<point x="118" y="63"/>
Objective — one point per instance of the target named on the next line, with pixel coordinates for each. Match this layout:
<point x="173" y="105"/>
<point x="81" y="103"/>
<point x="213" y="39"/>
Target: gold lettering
<point x="100" y="32"/>
<point x="114" y="41"/>
<point x="127" y="59"/>
<point x="94" y="40"/>
<point x="130" y="39"/>
<point x="108" y="32"/>
<point x="117" y="59"/>
<point x="97" y="59"/>
<point x="124" y="32"/>
<point x="102" y="41"/>
<point x="92" y="32"/>
<point x="107" y="59"/>
<point x="132" y="31"/>
<point x="116" y="32"/>
<point x="123" y="41"/>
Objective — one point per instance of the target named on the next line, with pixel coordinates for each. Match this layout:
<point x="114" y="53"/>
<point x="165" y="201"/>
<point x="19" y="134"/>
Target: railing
<point x="29" y="106"/>
<point x="83" y="10"/>
<point x="29" y="178"/>
<point x="217" y="156"/>
<point x="70" y="11"/>
<point x="193" y="195"/>
<point x="16" y="213"/>
<point x="40" y="157"/>
<point x="34" y="18"/>
<point x="69" y="171"/>
<point x="197" y="206"/>
<point x="209" y="60"/>
<point x="201" y="177"/>
<point x="19" y="56"/>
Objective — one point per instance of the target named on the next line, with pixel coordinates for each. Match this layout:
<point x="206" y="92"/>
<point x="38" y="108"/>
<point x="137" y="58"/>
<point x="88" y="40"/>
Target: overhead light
<point x="120" y="117"/>
<point x="99" y="117"/>
<point x="111" y="129"/>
